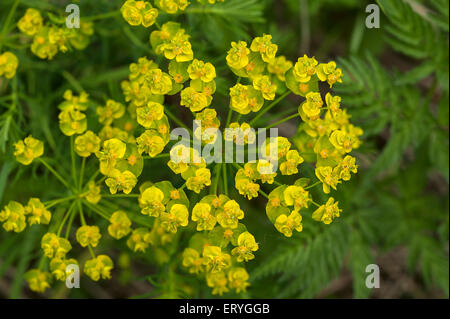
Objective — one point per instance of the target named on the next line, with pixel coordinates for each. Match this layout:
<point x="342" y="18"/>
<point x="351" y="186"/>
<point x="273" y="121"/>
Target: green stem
<point x="225" y="179"/>
<point x="315" y="203"/>
<point x="83" y="164"/>
<point x="72" y="155"/>
<point x="121" y="196"/>
<point x="283" y="120"/>
<point x="52" y="203"/>
<point x="264" y="194"/>
<point x="103" y="16"/>
<point x="230" y="113"/>
<point x="157" y="156"/>
<point x="96" y="210"/>
<point x="269" y="107"/>
<point x="176" y="120"/>
<point x="7" y="22"/>
<point x="69" y="225"/>
<point x="55" y="173"/>
<point x="313" y="185"/>
<point x="216" y="179"/>
<point x="65" y="218"/>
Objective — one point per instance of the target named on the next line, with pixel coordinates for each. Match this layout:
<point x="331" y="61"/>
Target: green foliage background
<point x="396" y="87"/>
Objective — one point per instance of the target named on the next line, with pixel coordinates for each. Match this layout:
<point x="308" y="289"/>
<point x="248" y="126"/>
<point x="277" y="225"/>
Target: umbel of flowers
<point x="134" y="135"/>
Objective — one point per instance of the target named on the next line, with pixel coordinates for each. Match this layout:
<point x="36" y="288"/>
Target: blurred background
<point x="396" y="87"/>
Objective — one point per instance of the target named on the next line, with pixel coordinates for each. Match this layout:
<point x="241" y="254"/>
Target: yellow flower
<point x="202" y="215"/>
<point x="305" y="68"/>
<point x="54" y="246"/>
<point x="201" y="70"/>
<point x="193" y="261"/>
<point x="279" y="67"/>
<point x="113" y="149"/>
<point x="178" y="216"/>
<point x="237" y="57"/>
<point x="245" y="99"/>
<point x="215" y="260"/>
<point x="147" y="115"/>
<point x="246" y="187"/>
<point x="313" y="105"/>
<point x="265" y="47"/>
<point x="172" y="6"/>
<point x="47" y="41"/>
<point x="296" y="196"/>
<point x="328" y="176"/>
<point x="230" y="215"/>
<point x="158" y="81"/>
<point x="346" y="167"/>
<point x="293" y="159"/>
<point x="13" y="217"/>
<point x="87" y="144"/>
<point x="201" y="179"/>
<point x="138" y="240"/>
<point x="88" y="236"/>
<point x="268" y="89"/>
<point x="151" y="202"/>
<point x="120" y="225"/>
<point x="72" y="122"/>
<point x="195" y="101"/>
<point x="28" y="150"/>
<point x="333" y="102"/>
<point x="238" y="279"/>
<point x="37" y="213"/>
<point x="111" y="111"/>
<point x="93" y="196"/>
<point x="342" y="141"/>
<point x="178" y="47"/>
<point x="151" y="143"/>
<point x="8" y="65"/>
<point x="286" y="224"/>
<point x="37" y="280"/>
<point x="99" y="267"/>
<point x="59" y="269"/>
<point x="121" y="181"/>
<point x="218" y="282"/>
<point x="246" y="245"/>
<point x="328" y="72"/>
<point x="139" y="12"/>
<point x="31" y="22"/>
<point x="328" y="212"/>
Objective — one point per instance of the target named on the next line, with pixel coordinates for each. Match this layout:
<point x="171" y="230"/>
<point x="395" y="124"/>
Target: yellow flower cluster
<point x="15" y="216"/>
<point x="139" y="13"/>
<point x="48" y="39"/>
<point x="8" y="65"/>
<point x="28" y="149"/>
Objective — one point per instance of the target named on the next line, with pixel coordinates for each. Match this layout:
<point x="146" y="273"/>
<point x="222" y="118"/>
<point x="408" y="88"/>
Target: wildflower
<point x="305" y="68"/>
<point x="113" y="149"/>
<point x="151" y="202"/>
<point x="139" y="12"/>
<point x="47" y="41"/>
<point x="246" y="245"/>
<point x="8" y="64"/>
<point x="87" y="144"/>
<point x="293" y="159"/>
<point x="137" y="240"/>
<point x="193" y="261"/>
<point x="178" y="216"/>
<point x="54" y="246"/>
<point x="201" y="213"/>
<point x="328" y="176"/>
<point x="111" y="111"/>
<point x="120" y="225"/>
<point x="88" y="236"/>
<point x="279" y="67"/>
<point x="31" y="22"/>
<point x="245" y="99"/>
<point x="13" y="217"/>
<point x="200" y="180"/>
<point x="286" y="224"/>
<point x="178" y="47"/>
<point x="328" y="72"/>
<point x="172" y="6"/>
<point x="238" y="279"/>
<point x="238" y="55"/>
<point x="201" y="70"/>
<point x="121" y="181"/>
<point x="215" y="260"/>
<point x="342" y="141"/>
<point x="265" y="86"/>
<point x="179" y="71"/>
<point x="93" y="195"/>
<point x="312" y="106"/>
<point x="28" y="149"/>
<point x="347" y="166"/>
<point x="333" y="102"/>
<point x="246" y="187"/>
<point x="230" y="215"/>
<point x="158" y="81"/>
<point x="72" y="122"/>
<point x="151" y="143"/>
<point x="218" y="282"/>
<point x="59" y="268"/>
<point x="328" y="212"/>
<point x="195" y="101"/>
<point x="99" y="267"/>
<point x="37" y="213"/>
<point x="265" y="47"/>
<point x="73" y="102"/>
<point x="296" y="196"/>
<point x="147" y="115"/>
<point x="37" y="280"/>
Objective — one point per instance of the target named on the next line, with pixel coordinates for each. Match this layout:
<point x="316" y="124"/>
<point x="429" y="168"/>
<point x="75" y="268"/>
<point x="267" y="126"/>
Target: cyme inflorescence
<point x="130" y="135"/>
